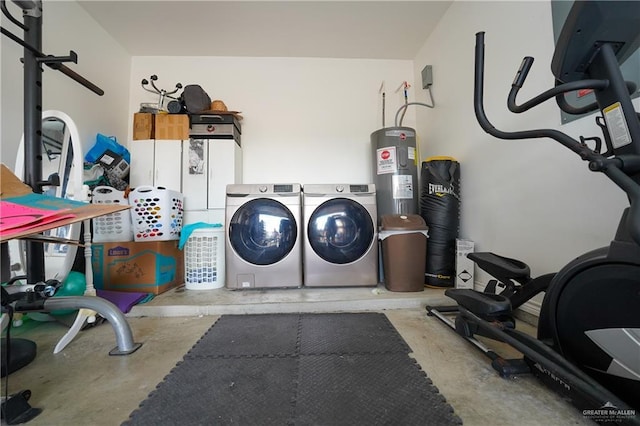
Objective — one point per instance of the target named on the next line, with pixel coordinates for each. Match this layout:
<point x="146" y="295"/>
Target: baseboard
<point x="532" y="307"/>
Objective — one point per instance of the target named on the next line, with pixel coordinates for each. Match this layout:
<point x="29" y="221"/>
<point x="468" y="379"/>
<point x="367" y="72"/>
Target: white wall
<point x="306" y="120"/>
<point x="66" y="26"/>
<point x="309" y="120"/>
<point x="529" y="199"/>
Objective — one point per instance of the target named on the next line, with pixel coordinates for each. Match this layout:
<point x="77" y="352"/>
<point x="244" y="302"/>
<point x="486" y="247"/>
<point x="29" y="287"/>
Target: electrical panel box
<point x="427" y="76"/>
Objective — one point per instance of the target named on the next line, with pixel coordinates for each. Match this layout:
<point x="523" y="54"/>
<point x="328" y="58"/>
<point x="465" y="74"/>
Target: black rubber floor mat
<point x="249" y="335"/>
<point x="222" y="391"/>
<point x="371" y="389"/>
<point x="349" y="333"/>
<point x="297" y="369"/>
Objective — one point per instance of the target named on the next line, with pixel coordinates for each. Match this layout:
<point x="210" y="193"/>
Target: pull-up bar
<point x="54" y="63"/>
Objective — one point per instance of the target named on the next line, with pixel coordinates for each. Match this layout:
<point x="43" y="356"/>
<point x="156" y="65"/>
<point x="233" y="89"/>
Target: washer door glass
<point x="263" y="231"/>
<point x="340" y="231"/>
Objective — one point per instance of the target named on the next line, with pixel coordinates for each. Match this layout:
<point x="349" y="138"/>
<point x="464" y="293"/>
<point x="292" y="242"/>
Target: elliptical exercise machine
<point x="588" y="343"/>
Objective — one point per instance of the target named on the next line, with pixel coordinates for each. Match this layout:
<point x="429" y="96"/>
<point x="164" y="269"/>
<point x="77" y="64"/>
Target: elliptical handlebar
<point x="570" y="109"/>
<point x="617" y="168"/>
<point x="478" y="104"/>
<point x="557" y="91"/>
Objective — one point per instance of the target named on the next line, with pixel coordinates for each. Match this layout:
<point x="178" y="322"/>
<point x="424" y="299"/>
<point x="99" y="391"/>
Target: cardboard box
<point x="14" y="190"/>
<point x="464" y="265"/>
<point x="145" y="267"/>
<point x="143" y="126"/>
<point x="160" y="126"/>
<point x="171" y="126"/>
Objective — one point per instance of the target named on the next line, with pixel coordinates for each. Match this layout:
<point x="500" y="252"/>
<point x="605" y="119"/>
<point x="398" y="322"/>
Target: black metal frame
<point x="15" y="409"/>
<point x="33" y="58"/>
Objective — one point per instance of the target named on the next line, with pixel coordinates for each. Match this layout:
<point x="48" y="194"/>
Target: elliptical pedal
<point x="485" y="305"/>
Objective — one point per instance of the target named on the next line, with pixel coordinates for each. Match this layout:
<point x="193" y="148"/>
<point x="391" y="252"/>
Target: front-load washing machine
<point x="341" y="247"/>
<point x="264" y="236"/>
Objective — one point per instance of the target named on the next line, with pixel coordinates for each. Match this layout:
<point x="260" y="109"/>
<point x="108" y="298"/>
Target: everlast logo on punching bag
<point x="441" y="190"/>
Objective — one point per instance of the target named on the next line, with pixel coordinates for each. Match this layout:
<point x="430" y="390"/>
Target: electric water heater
<point x="395" y="170"/>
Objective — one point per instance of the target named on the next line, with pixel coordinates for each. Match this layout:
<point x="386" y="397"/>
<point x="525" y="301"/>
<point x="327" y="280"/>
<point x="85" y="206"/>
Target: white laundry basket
<point x="112" y="227"/>
<point x="204" y="259"/>
<point x="156" y="213"/>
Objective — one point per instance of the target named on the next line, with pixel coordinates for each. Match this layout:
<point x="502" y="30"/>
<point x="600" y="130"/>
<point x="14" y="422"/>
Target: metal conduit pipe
<point x="116" y="318"/>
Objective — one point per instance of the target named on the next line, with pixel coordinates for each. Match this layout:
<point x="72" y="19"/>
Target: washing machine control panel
<point x="282" y="188"/>
<point x="358" y="188"/>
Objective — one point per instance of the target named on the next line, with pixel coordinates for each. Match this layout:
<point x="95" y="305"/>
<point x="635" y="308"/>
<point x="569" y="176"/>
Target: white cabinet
<point x="141" y="170"/>
<point x="167" y="160"/>
<point x="208" y="166"/>
<point x="200" y="169"/>
<point x="156" y="163"/>
<point x="225" y="167"/>
<point x="195" y="174"/>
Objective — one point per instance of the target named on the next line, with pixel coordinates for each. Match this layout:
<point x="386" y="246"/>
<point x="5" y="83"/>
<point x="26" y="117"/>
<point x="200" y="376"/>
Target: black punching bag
<point x="440" y="208"/>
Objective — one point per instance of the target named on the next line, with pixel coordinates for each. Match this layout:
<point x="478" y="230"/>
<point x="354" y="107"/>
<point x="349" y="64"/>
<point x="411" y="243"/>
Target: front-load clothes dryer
<point x="341" y="247"/>
<point x="264" y="236"/>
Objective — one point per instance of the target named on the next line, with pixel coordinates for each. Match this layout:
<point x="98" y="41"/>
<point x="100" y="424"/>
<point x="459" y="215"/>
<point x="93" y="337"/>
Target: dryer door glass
<point x="340" y="231"/>
<point x="263" y="231"/>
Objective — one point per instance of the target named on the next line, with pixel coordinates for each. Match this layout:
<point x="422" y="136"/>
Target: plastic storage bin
<point x="404" y="250"/>
<point x="204" y="259"/>
<point x="112" y="227"/>
<point x="156" y="213"/>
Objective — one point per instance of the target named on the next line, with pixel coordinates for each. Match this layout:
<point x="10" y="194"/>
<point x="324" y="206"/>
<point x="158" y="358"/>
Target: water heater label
<point x="402" y="187"/>
<point x="386" y="160"/>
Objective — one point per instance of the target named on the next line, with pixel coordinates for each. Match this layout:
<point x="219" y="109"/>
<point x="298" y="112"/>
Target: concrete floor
<point x="83" y="385"/>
